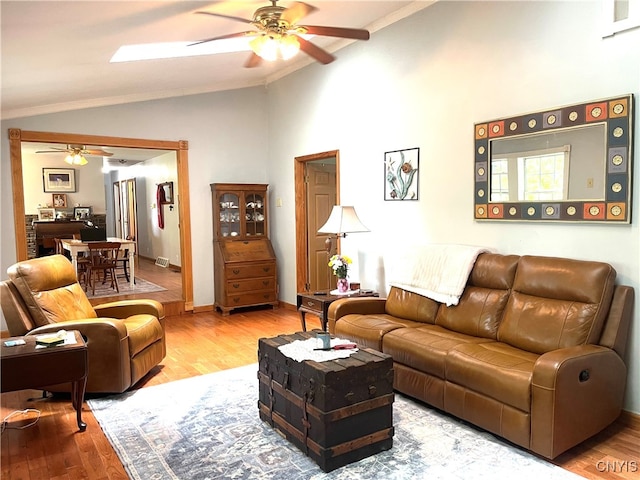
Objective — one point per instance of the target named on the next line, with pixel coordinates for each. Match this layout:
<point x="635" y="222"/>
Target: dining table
<point x="74" y="247"/>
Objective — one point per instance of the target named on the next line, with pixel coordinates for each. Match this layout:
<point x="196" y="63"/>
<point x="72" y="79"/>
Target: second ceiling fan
<point x="278" y="34"/>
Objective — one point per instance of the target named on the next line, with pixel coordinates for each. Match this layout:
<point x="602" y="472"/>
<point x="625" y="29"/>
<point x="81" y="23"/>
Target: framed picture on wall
<point x="81" y="213"/>
<point x="401" y="174"/>
<point x="59" y="180"/>
<point x="60" y="200"/>
<point x="166" y="196"/>
<point x="46" y="214"/>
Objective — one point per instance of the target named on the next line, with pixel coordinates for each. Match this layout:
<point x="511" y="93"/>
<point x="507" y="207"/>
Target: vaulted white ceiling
<point x="55" y="54"/>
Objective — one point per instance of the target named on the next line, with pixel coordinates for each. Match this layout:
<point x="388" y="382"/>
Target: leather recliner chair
<point x="125" y="339"/>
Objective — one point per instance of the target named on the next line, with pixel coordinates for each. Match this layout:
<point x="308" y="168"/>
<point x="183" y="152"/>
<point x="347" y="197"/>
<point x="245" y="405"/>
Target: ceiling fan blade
<point x="314" y="51"/>
<point x="223" y="37"/>
<point x="50" y="151"/>
<point x="100" y="153"/>
<point x="230" y="17"/>
<point x="253" y="61"/>
<point x="354" y="33"/>
<point x="296" y="12"/>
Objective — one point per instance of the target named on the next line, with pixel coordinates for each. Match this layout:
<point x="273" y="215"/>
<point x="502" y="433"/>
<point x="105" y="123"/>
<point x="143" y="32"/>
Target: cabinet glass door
<point x="229" y="215"/>
<point x="254" y="215"/>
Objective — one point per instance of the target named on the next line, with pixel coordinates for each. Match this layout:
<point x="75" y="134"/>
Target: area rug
<point x="208" y="427"/>
<point x="142" y="286"/>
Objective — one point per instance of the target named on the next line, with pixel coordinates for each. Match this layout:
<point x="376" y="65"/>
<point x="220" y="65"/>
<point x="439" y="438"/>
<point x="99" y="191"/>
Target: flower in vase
<point x="340" y="265"/>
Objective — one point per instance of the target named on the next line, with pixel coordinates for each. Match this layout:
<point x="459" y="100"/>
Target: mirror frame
<point x="617" y="115"/>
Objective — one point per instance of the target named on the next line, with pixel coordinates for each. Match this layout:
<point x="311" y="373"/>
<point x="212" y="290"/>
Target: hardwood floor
<point x="165" y="277"/>
<point x="202" y="343"/>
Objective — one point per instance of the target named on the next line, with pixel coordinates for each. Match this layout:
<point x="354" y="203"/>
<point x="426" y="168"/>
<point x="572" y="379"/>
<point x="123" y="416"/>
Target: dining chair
<point x="103" y="257"/>
<point x="82" y="261"/>
<point x="123" y="261"/>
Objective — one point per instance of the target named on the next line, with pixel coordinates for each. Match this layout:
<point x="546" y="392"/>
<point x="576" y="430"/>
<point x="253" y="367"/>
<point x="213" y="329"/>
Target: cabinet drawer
<point x="250" y="271"/>
<point x="255" y="298"/>
<point x="251" y="285"/>
<point x="311" y="304"/>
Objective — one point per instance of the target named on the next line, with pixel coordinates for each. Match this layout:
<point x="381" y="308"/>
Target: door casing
<point x="302" y="247"/>
<point x="181" y="148"/>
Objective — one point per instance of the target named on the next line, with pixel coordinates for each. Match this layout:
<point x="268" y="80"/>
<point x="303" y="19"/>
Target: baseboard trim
<point x="630" y="419"/>
<point x="202" y="308"/>
<point x="171" y="266"/>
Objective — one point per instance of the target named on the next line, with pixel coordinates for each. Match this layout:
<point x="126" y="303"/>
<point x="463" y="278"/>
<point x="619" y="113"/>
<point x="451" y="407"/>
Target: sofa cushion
<point x="495" y="271"/>
<point x="482" y="304"/>
<point x="425" y="347"/>
<point x="557" y="303"/>
<point x="477" y="314"/>
<point x="493" y="369"/>
<point x="403" y="304"/>
<point x="368" y="330"/>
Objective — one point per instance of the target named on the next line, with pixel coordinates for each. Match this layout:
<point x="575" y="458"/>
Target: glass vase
<point x="342" y="285"/>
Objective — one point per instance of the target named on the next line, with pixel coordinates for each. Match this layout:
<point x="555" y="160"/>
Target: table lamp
<point x="342" y="220"/>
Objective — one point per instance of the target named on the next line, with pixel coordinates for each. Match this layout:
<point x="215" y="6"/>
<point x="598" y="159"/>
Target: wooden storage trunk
<point x="336" y="412"/>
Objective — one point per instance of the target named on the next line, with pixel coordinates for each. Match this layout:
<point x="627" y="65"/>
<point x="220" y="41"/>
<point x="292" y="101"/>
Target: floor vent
<point x="162" y="262"/>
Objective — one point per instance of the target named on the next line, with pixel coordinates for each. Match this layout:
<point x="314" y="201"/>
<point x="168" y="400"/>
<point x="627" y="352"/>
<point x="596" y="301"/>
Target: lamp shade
<point x="343" y="220"/>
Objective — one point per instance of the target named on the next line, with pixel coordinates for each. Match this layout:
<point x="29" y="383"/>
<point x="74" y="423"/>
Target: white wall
<point x="227" y="135"/>
<point x="155" y="241"/>
<point x="422" y="82"/>
<point x="88" y="192"/>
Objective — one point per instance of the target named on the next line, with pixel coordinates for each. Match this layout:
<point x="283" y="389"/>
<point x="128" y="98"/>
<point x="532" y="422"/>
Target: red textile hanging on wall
<point x="160" y="199"/>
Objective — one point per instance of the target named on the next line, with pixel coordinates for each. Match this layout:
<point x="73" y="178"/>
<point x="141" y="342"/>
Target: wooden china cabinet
<point x="243" y="259"/>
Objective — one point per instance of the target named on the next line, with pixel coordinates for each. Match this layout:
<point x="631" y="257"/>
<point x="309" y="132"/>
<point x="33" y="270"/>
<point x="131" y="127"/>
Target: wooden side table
<point x="25" y="366"/>
<point x="318" y="304"/>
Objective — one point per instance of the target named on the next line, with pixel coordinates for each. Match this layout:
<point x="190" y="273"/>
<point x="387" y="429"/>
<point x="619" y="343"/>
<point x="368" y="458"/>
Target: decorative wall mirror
<point x="565" y="164"/>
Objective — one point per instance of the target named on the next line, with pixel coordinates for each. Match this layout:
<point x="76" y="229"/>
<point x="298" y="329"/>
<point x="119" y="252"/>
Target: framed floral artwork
<point x="401" y="174"/>
<point x="59" y="180"/>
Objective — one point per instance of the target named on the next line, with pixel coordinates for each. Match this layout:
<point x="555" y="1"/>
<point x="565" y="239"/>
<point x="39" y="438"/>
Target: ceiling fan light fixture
<point x="271" y="47"/>
<point x="76" y="159"/>
<point x="289" y="46"/>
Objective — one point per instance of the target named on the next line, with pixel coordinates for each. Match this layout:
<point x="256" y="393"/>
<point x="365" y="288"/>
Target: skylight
<point x="150" y="51"/>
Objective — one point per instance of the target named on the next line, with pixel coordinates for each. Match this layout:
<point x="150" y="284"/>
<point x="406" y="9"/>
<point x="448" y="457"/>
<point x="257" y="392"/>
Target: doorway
<point x="316" y="188"/>
<point x="124" y="209"/>
<point x="16" y="137"/>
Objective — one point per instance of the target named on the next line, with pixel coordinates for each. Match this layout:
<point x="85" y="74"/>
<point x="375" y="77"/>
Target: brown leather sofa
<point x="125" y="339"/>
<point x="533" y="352"/>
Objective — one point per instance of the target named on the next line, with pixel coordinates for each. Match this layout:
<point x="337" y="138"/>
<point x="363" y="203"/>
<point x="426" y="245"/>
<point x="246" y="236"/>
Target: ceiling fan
<point x="75" y="153"/>
<point x="278" y="34"/>
<point x="75" y="149"/>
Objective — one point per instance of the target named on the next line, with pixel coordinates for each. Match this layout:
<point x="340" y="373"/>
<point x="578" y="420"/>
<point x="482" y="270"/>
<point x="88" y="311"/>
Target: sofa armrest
<point x="107" y="351"/>
<point x="616" y="329"/>
<point x="346" y="306"/>
<point x="576" y="392"/>
<point x="126" y="308"/>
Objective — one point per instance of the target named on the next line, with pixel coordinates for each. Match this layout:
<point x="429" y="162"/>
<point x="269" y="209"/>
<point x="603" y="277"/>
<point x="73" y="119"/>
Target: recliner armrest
<point x="88" y="327"/>
<point x="107" y="351"/>
<point x="126" y="308"/>
<point x="576" y="392"/>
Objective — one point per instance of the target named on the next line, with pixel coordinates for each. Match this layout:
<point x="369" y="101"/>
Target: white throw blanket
<point x="439" y="272"/>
